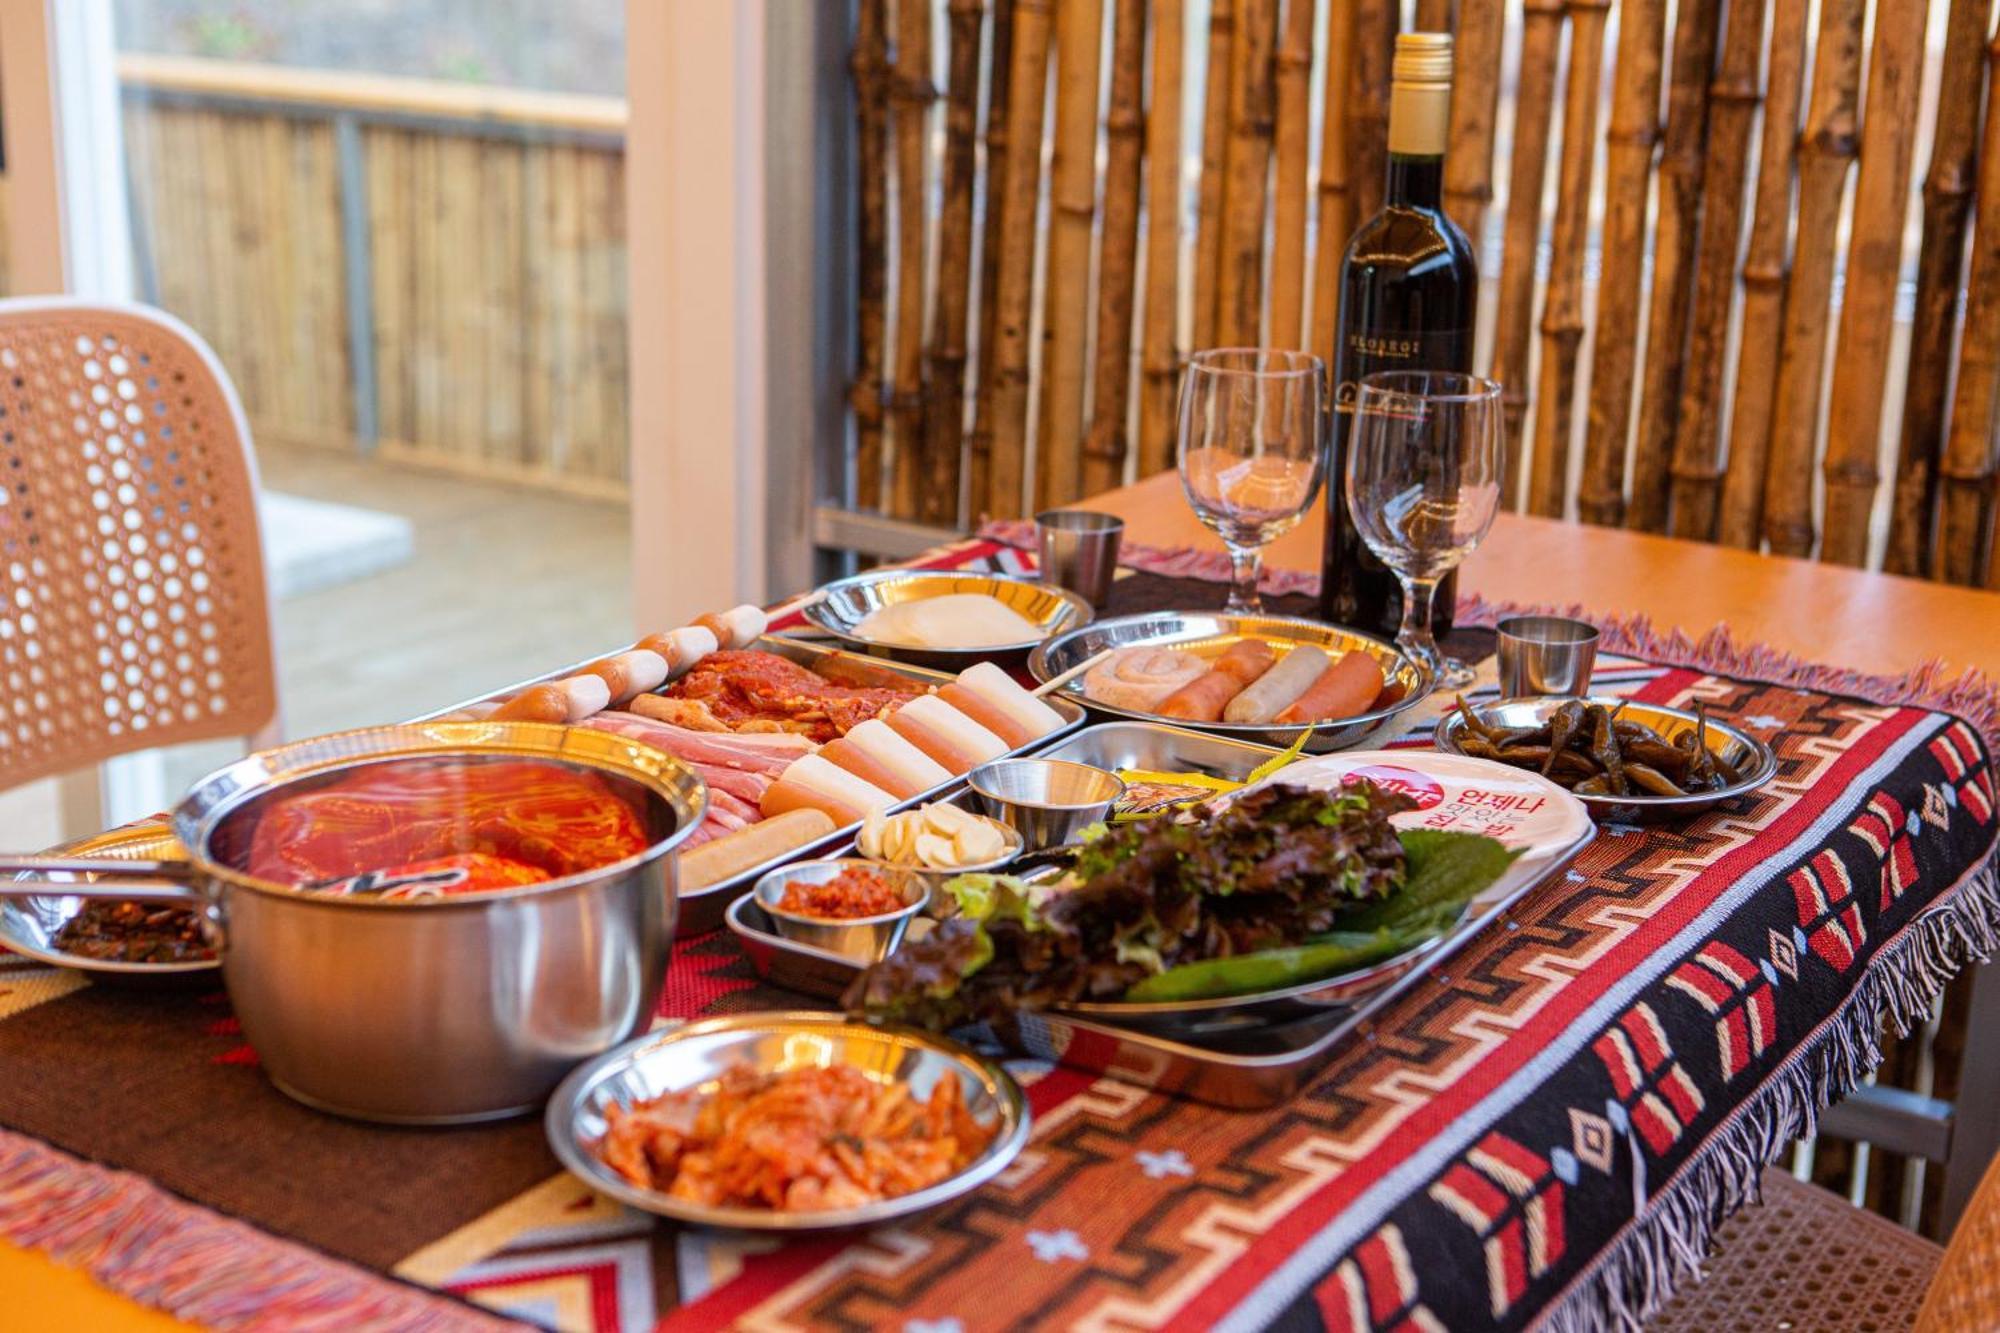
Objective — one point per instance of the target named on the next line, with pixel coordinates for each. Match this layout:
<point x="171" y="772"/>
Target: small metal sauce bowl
<point x="1047" y="801"/>
<point x="866" y="939"/>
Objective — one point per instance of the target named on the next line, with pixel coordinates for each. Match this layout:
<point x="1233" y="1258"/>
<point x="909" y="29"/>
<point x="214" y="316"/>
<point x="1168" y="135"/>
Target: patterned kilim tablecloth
<point x="1547" y="1133"/>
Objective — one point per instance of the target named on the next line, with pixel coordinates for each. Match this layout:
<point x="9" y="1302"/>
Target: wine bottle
<point x="1408" y="289"/>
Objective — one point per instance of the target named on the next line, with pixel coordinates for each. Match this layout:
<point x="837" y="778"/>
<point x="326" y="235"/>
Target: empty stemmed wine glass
<point x="1252" y="451"/>
<point x="1424" y="459"/>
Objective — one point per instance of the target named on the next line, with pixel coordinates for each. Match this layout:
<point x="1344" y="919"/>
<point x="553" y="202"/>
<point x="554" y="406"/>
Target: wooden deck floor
<point x="506" y="582"/>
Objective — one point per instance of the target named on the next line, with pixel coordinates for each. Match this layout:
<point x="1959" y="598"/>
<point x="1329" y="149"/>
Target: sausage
<point x="1247" y="659"/>
<point x="631" y="672"/>
<point x="867" y="767"/>
<point x="1347" y="687"/>
<point x="1275" y="690"/>
<point x="980" y="710"/>
<point x="1203" y="698"/>
<point x="752" y="845"/>
<point x="538" y="703"/>
<point x="813" y="783"/>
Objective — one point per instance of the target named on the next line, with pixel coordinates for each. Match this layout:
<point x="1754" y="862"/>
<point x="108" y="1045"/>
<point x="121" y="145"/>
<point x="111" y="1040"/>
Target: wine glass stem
<point x="1244" y="564"/>
<point x="1415" y="635"/>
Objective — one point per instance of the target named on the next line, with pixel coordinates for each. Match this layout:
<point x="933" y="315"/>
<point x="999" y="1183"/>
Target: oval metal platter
<point x="697" y="1053"/>
<point x="843" y="604"/>
<point x="1209" y="634"/>
<point x="1752" y="758"/>
<point x="29" y="926"/>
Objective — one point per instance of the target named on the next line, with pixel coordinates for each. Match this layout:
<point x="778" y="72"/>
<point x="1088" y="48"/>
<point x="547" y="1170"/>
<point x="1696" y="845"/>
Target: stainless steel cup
<point x="866" y="939"/>
<point x="1545" y="655"/>
<point x="1047" y="801"/>
<point x="1079" y="551"/>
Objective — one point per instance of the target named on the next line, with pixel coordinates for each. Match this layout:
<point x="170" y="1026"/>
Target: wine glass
<point x="1424" y="460"/>
<point x="1252" y="451"/>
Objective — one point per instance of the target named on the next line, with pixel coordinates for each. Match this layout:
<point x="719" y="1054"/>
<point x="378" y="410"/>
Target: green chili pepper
<point x="1271" y="969"/>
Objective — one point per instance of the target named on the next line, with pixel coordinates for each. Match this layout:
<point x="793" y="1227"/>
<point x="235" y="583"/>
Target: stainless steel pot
<point x="463" y="1008"/>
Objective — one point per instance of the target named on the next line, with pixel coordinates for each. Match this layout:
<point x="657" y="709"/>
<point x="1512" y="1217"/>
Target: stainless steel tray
<point x="702" y="909"/>
<point x="1212" y="631"/>
<point x="1232" y="1057"/>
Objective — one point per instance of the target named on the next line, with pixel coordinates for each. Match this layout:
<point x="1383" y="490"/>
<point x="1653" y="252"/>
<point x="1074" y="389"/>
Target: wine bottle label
<point x="1367" y="351"/>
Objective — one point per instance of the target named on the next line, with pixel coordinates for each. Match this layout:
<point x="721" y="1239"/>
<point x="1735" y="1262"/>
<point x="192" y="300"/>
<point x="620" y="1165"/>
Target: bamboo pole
<point x="944" y="412"/>
<point x="1874" y="263"/>
<point x="1118" y="260"/>
<point x="1628" y="169"/>
<point x="911" y="95"/>
<point x="1733" y="99"/>
<point x="1368" y="103"/>
<point x="1214" y="154"/>
<point x="1826" y="151"/>
<point x="1534" y="98"/>
<point x="1475" y="97"/>
<point x="1027" y="89"/>
<point x="1336" y="183"/>
<point x="1940" y="269"/>
<point x="1765" y="265"/>
<point x="1160" y="354"/>
<point x="1562" y="308"/>
<point x="1246" y="176"/>
<point x="1965" y="517"/>
<point x="869" y="65"/>
<point x="979" y="452"/>
<point x="1288" y="188"/>
<point x="1066" y="281"/>
<point x="1674" y="237"/>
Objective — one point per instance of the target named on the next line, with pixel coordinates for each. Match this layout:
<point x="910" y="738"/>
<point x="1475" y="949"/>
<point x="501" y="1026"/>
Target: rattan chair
<point x="1965" y="1293"/>
<point x="133" y="606"/>
<point x="1805" y="1259"/>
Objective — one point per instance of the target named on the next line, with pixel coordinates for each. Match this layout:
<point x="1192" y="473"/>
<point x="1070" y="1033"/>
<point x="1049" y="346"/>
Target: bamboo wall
<point x="494" y="263"/>
<point x="1720" y="381"/>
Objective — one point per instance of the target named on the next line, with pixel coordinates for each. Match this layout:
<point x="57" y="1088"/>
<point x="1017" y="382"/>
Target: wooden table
<point x="1872" y="622"/>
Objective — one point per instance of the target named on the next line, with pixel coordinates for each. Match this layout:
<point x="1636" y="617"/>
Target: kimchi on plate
<point x="800" y="1140"/>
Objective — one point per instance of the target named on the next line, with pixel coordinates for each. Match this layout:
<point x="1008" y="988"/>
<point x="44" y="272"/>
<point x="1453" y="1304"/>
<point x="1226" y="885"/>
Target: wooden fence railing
<point x="1089" y="285"/>
<point x="434" y="272"/>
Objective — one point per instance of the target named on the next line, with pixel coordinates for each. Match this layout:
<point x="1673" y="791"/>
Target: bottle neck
<point x="1415" y="182"/>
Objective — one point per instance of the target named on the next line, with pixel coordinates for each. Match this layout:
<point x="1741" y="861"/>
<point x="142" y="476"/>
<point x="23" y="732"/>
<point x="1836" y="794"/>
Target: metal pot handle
<point x="130" y="881"/>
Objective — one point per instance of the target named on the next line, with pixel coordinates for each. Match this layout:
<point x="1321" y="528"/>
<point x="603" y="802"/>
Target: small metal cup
<point x="1545" y="655"/>
<point x="1079" y="551"/>
<point x="865" y="939"/>
<point x="1047" y="801"/>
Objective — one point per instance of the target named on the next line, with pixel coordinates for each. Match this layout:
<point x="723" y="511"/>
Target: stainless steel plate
<point x="701" y="909"/>
<point x="1209" y="633"/>
<point x="1751" y="757"/>
<point x="28" y="926"/>
<point x="695" y="1055"/>
<point x="843" y="604"/>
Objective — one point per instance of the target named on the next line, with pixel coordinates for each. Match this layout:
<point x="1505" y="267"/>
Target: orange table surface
<point x="39" y="1295"/>
<point x="1843" y="617"/>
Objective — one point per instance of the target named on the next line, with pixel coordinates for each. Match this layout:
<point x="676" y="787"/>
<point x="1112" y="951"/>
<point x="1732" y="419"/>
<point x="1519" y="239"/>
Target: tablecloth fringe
<point x="1638" y="1273"/>
<point x="138" y="1240"/>
<point x="1931" y="685"/>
